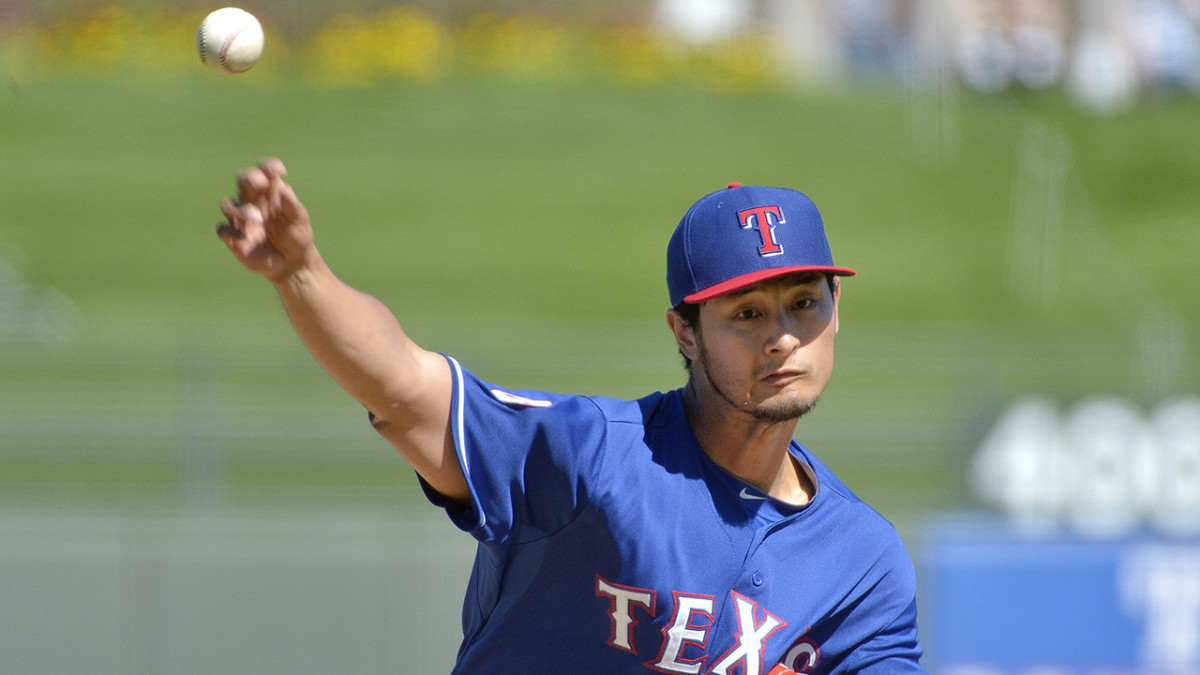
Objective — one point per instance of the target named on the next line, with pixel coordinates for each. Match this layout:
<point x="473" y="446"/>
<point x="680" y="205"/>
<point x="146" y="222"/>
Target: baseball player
<point x="684" y="532"/>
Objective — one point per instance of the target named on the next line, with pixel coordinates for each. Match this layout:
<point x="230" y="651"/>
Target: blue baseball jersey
<point x="609" y="542"/>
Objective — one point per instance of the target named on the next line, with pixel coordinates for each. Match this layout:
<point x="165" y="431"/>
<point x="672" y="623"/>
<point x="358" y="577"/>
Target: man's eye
<point x="746" y="314"/>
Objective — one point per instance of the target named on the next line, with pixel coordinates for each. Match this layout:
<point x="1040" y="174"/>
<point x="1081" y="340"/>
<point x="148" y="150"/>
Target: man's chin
<point x="785" y="410"/>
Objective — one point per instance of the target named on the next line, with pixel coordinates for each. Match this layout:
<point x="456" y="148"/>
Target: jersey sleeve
<point x="893" y="649"/>
<point x="529" y="458"/>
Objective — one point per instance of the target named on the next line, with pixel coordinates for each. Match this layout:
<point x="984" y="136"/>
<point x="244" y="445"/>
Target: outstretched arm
<point x="351" y="334"/>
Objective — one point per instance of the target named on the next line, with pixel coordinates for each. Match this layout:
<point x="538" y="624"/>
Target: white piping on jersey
<point x="513" y="399"/>
<point x="460" y="434"/>
<point x="460" y="427"/>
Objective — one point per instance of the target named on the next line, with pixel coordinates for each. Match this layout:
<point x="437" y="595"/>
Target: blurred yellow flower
<point x="523" y="45"/>
<point x="363" y="49"/>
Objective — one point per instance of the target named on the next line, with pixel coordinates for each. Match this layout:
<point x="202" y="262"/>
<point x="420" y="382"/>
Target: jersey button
<point x="757" y="579"/>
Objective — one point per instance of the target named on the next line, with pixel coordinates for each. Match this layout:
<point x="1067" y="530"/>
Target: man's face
<point x="767" y="350"/>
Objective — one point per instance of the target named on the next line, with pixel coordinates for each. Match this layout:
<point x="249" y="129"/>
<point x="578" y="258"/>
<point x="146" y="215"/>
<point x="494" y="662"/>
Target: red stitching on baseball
<point x="225" y="50"/>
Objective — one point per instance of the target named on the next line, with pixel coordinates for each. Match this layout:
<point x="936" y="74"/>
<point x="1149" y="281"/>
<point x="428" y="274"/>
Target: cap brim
<point x="752" y="278"/>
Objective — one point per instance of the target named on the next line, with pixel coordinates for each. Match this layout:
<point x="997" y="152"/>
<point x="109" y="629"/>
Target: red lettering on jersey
<point x="764" y="219"/>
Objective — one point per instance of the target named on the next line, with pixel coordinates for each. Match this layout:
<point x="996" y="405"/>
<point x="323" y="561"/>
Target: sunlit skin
<point x="760" y="357"/>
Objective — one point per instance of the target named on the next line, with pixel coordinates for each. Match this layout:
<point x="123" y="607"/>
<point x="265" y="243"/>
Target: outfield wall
<point x="349" y="593"/>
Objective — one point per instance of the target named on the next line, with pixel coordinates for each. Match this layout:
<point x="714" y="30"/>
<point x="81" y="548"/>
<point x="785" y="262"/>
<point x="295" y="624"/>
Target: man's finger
<point x="237" y="241"/>
<point x="244" y="233"/>
<point x="273" y="168"/>
<point x="229" y="233"/>
<point x="253" y="185"/>
<point x="274" y="171"/>
<point x="289" y="204"/>
<point x="229" y="209"/>
<point x="242" y="216"/>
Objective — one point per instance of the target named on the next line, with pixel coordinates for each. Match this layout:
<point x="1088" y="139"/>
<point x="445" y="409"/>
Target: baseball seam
<point x="204" y="44"/>
<point x="225" y="51"/>
<point x="223" y="54"/>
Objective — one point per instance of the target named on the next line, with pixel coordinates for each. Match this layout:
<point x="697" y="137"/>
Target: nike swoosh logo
<point x="745" y="494"/>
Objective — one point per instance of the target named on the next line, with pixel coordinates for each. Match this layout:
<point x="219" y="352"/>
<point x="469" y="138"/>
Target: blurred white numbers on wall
<point x="1103" y="467"/>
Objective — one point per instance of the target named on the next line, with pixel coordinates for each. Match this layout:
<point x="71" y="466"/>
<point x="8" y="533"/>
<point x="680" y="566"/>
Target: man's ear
<point x="685" y="336"/>
<point x="837" y="297"/>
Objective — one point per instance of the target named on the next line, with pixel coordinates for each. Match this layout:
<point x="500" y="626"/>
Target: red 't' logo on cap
<point x="764" y="218"/>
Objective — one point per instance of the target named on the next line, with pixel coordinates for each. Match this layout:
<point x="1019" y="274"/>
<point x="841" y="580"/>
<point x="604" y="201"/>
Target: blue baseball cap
<point x="742" y="235"/>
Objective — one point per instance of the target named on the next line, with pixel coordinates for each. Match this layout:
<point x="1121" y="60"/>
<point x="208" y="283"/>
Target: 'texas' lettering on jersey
<point x="686" y="634"/>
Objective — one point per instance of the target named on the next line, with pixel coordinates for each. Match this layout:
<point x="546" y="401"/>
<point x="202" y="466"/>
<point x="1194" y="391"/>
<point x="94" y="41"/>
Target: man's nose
<point x="785" y="334"/>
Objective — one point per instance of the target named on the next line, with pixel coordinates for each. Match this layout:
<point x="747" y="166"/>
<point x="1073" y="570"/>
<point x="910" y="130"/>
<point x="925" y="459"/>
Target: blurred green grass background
<point x="1006" y="245"/>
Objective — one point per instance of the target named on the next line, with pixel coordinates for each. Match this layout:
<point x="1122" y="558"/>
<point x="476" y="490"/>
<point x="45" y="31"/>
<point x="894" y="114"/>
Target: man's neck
<point x="753" y="450"/>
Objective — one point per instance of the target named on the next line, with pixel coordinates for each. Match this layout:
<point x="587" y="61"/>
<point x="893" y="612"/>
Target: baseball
<point x="230" y="40"/>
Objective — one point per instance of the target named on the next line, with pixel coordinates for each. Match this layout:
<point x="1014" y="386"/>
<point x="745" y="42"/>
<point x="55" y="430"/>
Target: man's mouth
<point x="783" y="376"/>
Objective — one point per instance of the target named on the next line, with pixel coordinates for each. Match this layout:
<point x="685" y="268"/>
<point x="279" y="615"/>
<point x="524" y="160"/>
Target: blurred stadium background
<point x="1018" y="183"/>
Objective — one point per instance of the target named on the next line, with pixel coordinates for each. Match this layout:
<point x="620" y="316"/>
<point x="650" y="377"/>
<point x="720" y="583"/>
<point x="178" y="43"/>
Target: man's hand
<point x="268" y="229"/>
